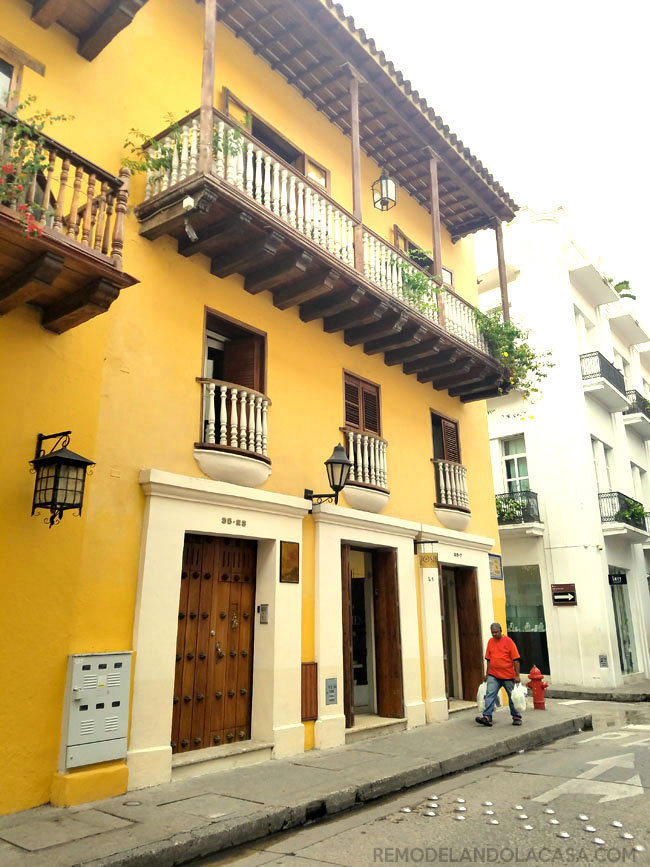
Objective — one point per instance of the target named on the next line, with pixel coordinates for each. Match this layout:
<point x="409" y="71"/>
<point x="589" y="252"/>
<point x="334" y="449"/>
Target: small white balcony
<point x="637" y="416"/>
<point x="367" y="486"/>
<point x="452" y="501"/>
<point x="234" y="434"/>
<point x="602" y="381"/>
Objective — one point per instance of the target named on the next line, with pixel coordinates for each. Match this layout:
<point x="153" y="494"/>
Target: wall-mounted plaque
<point x="428" y="560"/>
<point x="290" y="562"/>
<point x="330" y="690"/>
<point x="496" y="567"/>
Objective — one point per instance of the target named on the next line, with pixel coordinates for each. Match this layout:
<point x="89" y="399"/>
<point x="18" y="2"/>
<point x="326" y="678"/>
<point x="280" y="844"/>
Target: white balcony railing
<point x="390" y="270"/>
<point x="368" y="455"/>
<point x="270" y="182"/>
<point x="234" y="417"/>
<point x="451" y="485"/>
<point x="267" y="180"/>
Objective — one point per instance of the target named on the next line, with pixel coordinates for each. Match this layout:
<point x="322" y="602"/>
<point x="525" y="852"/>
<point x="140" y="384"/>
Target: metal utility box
<point x="96" y="708"/>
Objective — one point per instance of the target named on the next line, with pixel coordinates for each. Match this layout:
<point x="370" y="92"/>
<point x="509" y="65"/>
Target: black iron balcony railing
<point x="615" y="506"/>
<point x="593" y="365"/>
<point x="638" y="403"/>
<point x="517" y="507"/>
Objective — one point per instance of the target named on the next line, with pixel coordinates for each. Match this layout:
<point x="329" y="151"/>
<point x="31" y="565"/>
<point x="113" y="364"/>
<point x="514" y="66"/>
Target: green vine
<point x="24" y="156"/>
<point x="419" y="289"/>
<point x="507" y="343"/>
<point x="148" y="154"/>
<point x="509" y="510"/>
<point x="623" y="288"/>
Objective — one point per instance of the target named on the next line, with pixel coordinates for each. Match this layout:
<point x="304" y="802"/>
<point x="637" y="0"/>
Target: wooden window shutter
<point x="370" y="394"/>
<point x="352" y="388"/>
<point x="243" y="362"/>
<point x="451" y="440"/>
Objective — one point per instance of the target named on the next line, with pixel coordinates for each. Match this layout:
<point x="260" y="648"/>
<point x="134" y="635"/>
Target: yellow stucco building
<point x="208" y="330"/>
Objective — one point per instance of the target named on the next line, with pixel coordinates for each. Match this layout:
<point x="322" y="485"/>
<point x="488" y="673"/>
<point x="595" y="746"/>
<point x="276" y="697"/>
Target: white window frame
<point x="514" y="457"/>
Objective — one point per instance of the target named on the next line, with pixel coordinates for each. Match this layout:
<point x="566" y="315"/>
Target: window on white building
<point x="515" y="464"/>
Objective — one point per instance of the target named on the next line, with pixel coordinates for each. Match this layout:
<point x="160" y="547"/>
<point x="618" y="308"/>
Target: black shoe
<point x="517" y="720"/>
<point x="484" y="720"/>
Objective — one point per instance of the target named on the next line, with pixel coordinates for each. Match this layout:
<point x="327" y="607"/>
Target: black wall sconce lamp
<point x="338" y="469"/>
<point x="60" y="477"/>
<point x="384" y="195"/>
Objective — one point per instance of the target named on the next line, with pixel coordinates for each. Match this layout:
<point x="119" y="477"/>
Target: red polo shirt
<point x="502" y="653"/>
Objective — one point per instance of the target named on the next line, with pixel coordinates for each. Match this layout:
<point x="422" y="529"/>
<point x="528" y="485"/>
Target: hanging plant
<point x="419" y="289"/>
<point x="23" y="155"/>
<point x="509" y="510"/>
<point x="508" y="344"/>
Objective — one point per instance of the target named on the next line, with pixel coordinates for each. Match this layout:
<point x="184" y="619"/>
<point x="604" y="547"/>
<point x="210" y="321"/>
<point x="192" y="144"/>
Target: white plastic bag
<point x="480" y="697"/>
<point x="519" y="697"/>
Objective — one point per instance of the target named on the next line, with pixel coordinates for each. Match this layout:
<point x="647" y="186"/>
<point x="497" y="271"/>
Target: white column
<point x="223" y="417"/>
<point x="210" y="419"/>
<point x="243" y="442"/>
<point x="234" y="440"/>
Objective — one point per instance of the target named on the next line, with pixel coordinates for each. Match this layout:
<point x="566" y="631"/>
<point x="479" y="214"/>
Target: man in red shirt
<point x="502" y="670"/>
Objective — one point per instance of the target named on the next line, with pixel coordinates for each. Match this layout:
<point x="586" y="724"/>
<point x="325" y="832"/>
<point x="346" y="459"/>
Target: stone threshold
<point x="222" y="758"/>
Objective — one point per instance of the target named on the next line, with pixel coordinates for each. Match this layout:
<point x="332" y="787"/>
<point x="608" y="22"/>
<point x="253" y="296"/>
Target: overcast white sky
<point x="552" y="97"/>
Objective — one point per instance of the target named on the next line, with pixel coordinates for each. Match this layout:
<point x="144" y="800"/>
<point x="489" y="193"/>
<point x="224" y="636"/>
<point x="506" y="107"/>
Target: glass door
<point x="624" y="629"/>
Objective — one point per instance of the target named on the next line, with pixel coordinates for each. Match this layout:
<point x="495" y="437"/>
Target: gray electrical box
<point x="96" y="708"/>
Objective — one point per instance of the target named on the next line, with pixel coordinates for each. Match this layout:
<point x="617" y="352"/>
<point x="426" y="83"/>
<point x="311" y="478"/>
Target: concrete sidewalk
<point x="629" y="692"/>
<point x="177" y="822"/>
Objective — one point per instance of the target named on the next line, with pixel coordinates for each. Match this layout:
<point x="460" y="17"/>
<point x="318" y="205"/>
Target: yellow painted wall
<point x="125" y="382"/>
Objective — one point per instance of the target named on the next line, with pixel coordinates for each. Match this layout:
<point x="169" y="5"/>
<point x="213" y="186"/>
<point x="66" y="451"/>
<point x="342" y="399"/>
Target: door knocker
<point x="234" y="623"/>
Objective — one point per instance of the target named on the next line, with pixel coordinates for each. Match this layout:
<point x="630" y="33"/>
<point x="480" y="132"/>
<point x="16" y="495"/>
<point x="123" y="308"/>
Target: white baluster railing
<point x="234" y="416"/>
<point x="451" y="484"/>
<point x="368" y="455"/>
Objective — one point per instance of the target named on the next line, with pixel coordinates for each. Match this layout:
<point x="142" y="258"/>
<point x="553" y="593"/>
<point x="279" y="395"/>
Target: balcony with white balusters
<point x="254" y="214"/>
<point x="452" y="499"/>
<point x="367" y="485"/>
<point x="234" y="434"/>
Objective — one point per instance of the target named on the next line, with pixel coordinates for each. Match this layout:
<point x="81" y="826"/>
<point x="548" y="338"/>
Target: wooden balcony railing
<point x="242" y="161"/>
<point x="234" y="417"/>
<point x="451" y="485"/>
<point x="75" y="198"/>
<point x="368" y="455"/>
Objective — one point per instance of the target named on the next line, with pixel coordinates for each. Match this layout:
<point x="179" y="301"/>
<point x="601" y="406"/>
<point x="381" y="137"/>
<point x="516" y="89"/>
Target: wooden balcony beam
<point x="490" y="381"/>
<point x="370" y="312"/>
<point x="29" y="281"/>
<point x="430" y="375"/>
<point x="284" y="270"/>
<point x="46" y="12"/>
<point x="430" y="361"/>
<point x="94" y="298"/>
<point x="217" y="235"/>
<point x="390" y="324"/>
<point x="410" y="353"/>
<point x="118" y="15"/>
<point x="320" y="308"/>
<point x="486" y="394"/>
<point x="460" y="376"/>
<point x="303" y="290"/>
<point x="406" y="337"/>
<point x="247" y="256"/>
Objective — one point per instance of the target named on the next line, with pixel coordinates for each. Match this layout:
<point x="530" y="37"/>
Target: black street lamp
<point x="338" y="469"/>
<point x="384" y="195"/>
<point x="60" y="477"/>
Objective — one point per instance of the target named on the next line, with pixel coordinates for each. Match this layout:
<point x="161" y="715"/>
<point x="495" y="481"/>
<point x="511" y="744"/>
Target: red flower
<point x="7" y="168"/>
<point x="22" y="208"/>
<point x="19" y="187"/>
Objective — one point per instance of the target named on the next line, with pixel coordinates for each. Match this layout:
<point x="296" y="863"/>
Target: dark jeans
<point x="494" y="684"/>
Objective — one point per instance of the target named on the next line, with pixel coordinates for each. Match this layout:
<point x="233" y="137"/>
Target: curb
<point x="597" y="696"/>
<point x="214" y="838"/>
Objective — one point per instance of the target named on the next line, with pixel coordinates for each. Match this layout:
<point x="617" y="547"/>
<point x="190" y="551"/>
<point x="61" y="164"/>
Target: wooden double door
<point x="461" y="632"/>
<point x="387" y="661"/>
<point x="214" y="648"/>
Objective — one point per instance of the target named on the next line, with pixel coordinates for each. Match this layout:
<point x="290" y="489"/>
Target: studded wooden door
<point x="214" y="648"/>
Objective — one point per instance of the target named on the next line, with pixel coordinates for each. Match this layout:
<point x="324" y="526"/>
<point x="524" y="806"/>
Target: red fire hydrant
<point x="537" y="686"/>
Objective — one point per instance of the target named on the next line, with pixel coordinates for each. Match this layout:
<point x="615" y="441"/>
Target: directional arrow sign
<point x="564" y="594"/>
<point x="585" y="784"/>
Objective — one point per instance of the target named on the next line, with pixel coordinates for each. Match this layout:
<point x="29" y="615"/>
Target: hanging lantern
<point x="60" y="477"/>
<point x="384" y="194"/>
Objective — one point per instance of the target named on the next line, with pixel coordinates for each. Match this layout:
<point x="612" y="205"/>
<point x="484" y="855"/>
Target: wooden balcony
<point x="255" y="215"/>
<point x="71" y="269"/>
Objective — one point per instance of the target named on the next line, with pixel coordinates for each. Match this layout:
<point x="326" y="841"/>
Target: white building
<point x="573" y="464"/>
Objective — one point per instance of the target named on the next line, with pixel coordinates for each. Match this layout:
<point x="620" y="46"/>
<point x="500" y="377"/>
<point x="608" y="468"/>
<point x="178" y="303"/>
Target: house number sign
<point x="238" y="522"/>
